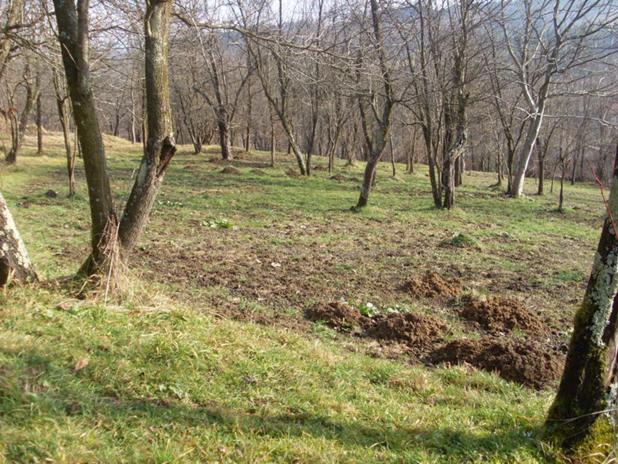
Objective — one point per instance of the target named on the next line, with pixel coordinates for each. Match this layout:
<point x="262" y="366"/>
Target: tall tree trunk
<point x="14" y="260"/>
<point x="561" y="194"/>
<point x="72" y="22"/>
<point x="436" y="187"/>
<point x="32" y="94"/>
<point x="583" y="415"/>
<point x="525" y="153"/>
<point x="39" y="121"/>
<point x="160" y="147"/>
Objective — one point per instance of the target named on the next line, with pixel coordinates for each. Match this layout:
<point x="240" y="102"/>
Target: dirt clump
<point x="497" y="314"/>
<point x="338" y="315"/>
<point x="433" y="285"/>
<point x="418" y="331"/>
<point x="526" y="363"/>
<point x="230" y="170"/>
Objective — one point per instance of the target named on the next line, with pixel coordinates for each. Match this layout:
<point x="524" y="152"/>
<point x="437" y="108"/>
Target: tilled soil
<point x="432" y="285"/>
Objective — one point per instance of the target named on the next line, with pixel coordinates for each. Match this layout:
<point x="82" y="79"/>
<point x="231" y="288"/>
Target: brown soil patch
<point x="230" y="170"/>
<point x="339" y="178"/>
<point x="432" y="285"/>
<point x="337" y="315"/>
<point x="497" y="314"/>
<point x="292" y="172"/>
<point x="527" y="363"/>
<point x="418" y="331"/>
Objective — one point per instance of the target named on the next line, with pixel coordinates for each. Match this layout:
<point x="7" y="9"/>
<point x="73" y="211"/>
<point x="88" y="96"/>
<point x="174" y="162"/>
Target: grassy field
<point x="209" y="357"/>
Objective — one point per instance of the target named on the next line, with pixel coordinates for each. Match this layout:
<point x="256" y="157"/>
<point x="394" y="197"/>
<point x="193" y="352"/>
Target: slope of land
<point x="266" y="322"/>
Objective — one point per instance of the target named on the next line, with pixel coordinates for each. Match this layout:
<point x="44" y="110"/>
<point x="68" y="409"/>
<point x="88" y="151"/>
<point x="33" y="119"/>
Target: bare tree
<point x="113" y="240"/>
<point x="546" y="41"/>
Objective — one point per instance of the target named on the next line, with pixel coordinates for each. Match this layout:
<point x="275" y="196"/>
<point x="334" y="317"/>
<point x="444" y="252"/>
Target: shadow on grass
<point x="74" y="394"/>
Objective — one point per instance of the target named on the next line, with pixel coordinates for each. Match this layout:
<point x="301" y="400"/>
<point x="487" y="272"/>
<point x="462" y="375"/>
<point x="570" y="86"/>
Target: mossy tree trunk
<point x="14" y="261"/>
<point x="160" y="146"/>
<point x="582" y="417"/>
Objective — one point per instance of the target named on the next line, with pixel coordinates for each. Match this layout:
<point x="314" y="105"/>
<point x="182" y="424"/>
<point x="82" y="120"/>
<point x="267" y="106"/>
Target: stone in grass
<point x="461" y="240"/>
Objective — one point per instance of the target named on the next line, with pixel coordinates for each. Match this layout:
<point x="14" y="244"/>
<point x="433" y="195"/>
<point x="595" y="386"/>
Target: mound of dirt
<point x="292" y="173"/>
<point x="460" y="240"/>
<point x="497" y="314"/>
<point x="418" y="331"/>
<point x="433" y="285"/>
<point x="338" y="315"/>
<point x="339" y="178"/>
<point x="527" y="363"/>
<point x="230" y="170"/>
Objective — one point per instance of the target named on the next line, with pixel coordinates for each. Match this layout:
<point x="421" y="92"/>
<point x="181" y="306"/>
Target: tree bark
<point x="72" y="22"/>
<point x="582" y="416"/>
<point x="224" y="139"/>
<point x="160" y="147"/>
<point x="14" y="260"/>
<point x="39" y="119"/>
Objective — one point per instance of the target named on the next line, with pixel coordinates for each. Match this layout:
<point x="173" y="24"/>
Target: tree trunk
<point x="72" y="22"/>
<point x="160" y="147"/>
<point x="224" y="139"/>
<point x="32" y="94"/>
<point x="412" y="154"/>
<point x="39" y="124"/>
<point x="393" y="167"/>
<point x="14" y="261"/>
<point x="459" y="169"/>
<point x="521" y="162"/>
<point x="368" y="180"/>
<point x="561" y="194"/>
<point x="541" y="165"/>
<point x="448" y="182"/>
<point x="582" y="417"/>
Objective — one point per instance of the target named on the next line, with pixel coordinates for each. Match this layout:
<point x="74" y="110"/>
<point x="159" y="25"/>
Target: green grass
<point x="170" y="385"/>
<point x="177" y="372"/>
